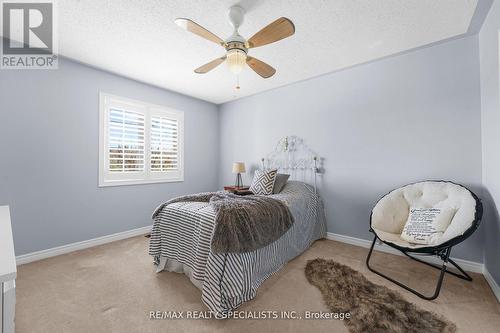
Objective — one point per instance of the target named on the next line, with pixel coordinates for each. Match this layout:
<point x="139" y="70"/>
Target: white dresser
<point x="8" y="273"/>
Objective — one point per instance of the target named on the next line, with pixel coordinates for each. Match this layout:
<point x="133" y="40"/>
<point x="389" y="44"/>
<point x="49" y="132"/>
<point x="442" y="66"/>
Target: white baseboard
<point x="493" y="284"/>
<point x="55" y="251"/>
<point x="467" y="265"/>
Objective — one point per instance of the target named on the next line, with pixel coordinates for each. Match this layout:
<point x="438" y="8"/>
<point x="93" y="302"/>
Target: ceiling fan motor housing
<point x="236" y="41"/>
<point x="231" y="45"/>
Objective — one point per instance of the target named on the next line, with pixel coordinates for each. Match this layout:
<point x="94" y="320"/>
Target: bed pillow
<point x="263" y="182"/>
<point x="427" y="225"/>
<point x="280" y="182"/>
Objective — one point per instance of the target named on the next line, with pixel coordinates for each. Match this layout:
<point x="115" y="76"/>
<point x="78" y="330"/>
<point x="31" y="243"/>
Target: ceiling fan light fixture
<point x="236" y="60"/>
<point x="237" y="47"/>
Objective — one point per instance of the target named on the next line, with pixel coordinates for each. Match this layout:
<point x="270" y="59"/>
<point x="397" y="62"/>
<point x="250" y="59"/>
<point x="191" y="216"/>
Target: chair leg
<point x="445" y="257"/>
<point x="463" y="275"/>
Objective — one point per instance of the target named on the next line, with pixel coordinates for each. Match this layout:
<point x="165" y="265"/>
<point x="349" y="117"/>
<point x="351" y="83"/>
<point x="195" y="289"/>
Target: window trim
<point x="149" y="110"/>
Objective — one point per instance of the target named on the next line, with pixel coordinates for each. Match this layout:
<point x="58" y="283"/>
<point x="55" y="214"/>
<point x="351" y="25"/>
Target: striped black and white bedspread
<point x="181" y="237"/>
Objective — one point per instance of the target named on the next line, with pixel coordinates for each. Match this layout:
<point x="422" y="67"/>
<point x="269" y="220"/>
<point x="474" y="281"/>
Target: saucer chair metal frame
<point x="442" y="251"/>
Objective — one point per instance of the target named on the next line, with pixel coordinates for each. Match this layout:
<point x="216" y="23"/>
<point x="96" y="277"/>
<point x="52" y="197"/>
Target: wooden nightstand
<point x="239" y="190"/>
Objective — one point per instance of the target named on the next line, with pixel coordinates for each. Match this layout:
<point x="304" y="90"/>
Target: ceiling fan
<point x="237" y="47"/>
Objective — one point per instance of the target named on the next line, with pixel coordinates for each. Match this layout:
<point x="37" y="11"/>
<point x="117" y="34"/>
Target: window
<point x="139" y="143"/>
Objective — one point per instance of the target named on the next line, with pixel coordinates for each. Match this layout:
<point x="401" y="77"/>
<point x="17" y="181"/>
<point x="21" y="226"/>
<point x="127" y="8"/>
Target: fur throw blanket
<point x="242" y="223"/>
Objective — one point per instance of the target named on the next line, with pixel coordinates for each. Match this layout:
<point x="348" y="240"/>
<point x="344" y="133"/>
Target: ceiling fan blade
<point x="260" y="67"/>
<point x="279" y="29"/>
<point x="209" y="66"/>
<point x="197" y="29"/>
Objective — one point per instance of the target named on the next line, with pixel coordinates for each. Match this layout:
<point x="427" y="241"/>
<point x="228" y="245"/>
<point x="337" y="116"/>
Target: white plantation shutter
<point x="125" y="141"/>
<point x="164" y="144"/>
<point x="139" y="142"/>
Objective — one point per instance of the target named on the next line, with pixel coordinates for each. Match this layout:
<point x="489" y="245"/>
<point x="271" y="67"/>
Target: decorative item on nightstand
<point x="242" y="190"/>
<point x="238" y="169"/>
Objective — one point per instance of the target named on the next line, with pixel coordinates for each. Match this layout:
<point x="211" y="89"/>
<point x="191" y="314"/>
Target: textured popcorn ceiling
<point x="139" y="39"/>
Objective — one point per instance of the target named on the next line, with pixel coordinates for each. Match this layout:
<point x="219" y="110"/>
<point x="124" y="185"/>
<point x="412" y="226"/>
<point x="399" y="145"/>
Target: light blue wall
<point x="490" y="104"/>
<point x="410" y="117"/>
<point x="49" y="122"/>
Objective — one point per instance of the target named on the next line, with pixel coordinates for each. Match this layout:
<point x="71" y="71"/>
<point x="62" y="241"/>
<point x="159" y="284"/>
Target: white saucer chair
<point x="391" y="212"/>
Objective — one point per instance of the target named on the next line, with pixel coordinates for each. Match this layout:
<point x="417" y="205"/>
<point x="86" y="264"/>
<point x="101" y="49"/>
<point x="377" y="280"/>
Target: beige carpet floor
<point x="113" y="288"/>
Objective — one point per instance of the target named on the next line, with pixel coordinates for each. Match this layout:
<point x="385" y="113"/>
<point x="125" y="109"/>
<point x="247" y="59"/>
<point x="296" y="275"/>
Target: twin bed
<point x="181" y="238"/>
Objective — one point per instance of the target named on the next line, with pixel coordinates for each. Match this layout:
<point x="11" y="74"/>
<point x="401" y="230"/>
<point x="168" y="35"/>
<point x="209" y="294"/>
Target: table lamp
<point x="238" y="169"/>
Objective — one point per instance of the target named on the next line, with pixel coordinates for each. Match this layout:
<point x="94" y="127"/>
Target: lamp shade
<point x="239" y="167"/>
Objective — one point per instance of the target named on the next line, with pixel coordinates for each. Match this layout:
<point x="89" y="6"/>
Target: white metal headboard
<point x="292" y="156"/>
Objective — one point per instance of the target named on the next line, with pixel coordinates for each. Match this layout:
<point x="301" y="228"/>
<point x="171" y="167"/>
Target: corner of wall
<point x="490" y="114"/>
<point x="219" y="145"/>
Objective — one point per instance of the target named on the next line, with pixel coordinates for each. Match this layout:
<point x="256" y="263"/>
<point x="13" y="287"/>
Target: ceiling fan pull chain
<point x="237" y="82"/>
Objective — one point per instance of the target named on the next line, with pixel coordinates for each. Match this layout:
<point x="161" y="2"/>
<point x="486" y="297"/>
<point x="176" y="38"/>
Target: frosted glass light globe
<point x="236" y="60"/>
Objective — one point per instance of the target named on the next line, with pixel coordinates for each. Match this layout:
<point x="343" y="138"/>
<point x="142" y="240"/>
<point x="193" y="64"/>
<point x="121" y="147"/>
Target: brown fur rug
<point x="373" y="308"/>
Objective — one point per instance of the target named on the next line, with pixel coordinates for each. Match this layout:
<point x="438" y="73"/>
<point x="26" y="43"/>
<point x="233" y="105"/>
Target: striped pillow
<point x="263" y="182"/>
